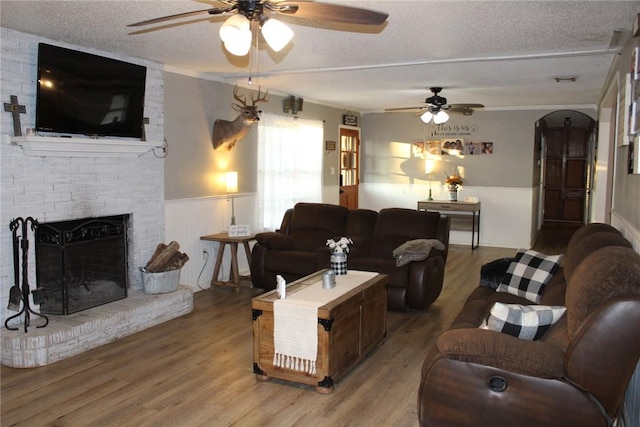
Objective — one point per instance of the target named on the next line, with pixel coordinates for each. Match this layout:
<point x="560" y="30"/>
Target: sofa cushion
<point x="319" y="216"/>
<point x="604" y="275"/>
<point x="274" y="240"/>
<point x="501" y="351"/>
<point x="529" y="273"/>
<point x="293" y="262"/>
<point x="528" y="322"/>
<point x="589" y="243"/>
<point x="398" y="276"/>
<point x="407" y="223"/>
<point x="360" y="223"/>
<point x="492" y="273"/>
<point x="477" y="306"/>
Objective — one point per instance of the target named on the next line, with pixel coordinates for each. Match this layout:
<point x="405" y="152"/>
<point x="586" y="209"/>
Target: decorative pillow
<point x="529" y="273"/>
<point x="528" y="322"/>
<point x="491" y="273"/>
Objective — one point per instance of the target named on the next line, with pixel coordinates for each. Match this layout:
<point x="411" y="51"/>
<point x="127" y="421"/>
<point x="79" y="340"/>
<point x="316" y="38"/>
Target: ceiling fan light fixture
<point x="426" y="116"/>
<point x="440" y="117"/>
<point x="277" y="34"/>
<point x="236" y="35"/>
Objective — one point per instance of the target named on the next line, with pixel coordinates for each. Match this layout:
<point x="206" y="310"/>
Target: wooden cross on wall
<point x="15" y="109"/>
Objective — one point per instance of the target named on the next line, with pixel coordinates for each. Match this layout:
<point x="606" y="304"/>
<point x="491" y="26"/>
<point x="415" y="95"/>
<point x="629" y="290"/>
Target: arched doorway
<point x="567" y="140"/>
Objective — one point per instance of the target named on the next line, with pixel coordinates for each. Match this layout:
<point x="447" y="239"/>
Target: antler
<point x="260" y="99"/>
<point x="237" y="97"/>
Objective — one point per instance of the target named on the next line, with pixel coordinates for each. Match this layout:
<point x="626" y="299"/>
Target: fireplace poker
<point x="27" y="223"/>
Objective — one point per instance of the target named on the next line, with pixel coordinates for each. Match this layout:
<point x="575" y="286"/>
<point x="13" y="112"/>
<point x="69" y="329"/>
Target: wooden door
<point x="565" y="176"/>
<point x="349" y="167"/>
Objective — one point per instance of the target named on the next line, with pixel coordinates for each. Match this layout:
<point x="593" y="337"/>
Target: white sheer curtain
<point x="289" y="165"/>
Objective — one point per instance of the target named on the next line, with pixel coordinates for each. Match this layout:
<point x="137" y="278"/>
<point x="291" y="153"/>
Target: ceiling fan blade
<point x="464" y="109"/>
<point x="466" y="106"/>
<point x="210" y="11"/>
<point x="405" y="109"/>
<point x="317" y="11"/>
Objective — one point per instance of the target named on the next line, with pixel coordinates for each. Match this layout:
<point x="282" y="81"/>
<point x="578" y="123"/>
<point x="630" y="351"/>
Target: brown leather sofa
<point x="298" y="248"/>
<point x="575" y="375"/>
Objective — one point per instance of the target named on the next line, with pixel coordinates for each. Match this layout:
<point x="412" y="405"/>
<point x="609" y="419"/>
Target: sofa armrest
<point x="502" y="351"/>
<point x="443" y="229"/>
<point x="275" y="240"/>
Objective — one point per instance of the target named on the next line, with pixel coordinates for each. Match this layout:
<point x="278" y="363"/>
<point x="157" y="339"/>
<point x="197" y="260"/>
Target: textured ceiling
<point x="503" y="54"/>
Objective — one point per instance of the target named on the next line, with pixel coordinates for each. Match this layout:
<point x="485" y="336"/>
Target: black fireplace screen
<point x="81" y="263"/>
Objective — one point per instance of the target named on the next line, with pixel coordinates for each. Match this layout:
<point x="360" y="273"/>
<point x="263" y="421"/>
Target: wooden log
<point x="162" y="260"/>
<point x="158" y="251"/>
<point x="179" y="263"/>
<point x="173" y="260"/>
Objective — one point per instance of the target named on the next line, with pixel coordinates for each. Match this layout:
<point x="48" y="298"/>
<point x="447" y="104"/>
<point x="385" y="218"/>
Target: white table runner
<point x="295" y="328"/>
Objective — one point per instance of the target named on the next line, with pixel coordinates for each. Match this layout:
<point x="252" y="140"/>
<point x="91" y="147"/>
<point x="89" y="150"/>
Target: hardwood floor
<point x="197" y="371"/>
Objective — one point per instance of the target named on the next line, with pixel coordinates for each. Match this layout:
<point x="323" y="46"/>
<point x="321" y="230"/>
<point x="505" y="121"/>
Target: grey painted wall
<point x="193" y="168"/>
<point x="387" y="138"/>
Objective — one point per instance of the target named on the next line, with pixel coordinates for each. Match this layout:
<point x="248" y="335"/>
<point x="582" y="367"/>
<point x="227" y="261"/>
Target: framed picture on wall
<point x="624" y="103"/>
<point x="472" y="148"/>
<point x="486" y="147"/>
<point x="631" y="156"/>
<point x="635" y="64"/>
<point x="452" y="146"/>
<point x="636" y="157"/>
<point x="634" y="119"/>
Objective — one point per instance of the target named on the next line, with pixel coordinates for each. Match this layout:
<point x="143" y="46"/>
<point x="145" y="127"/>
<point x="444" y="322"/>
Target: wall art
<point x="624" y="104"/>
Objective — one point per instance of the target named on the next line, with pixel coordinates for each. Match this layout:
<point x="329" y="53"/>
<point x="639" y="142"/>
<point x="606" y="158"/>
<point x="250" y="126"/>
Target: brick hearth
<point x="66" y="336"/>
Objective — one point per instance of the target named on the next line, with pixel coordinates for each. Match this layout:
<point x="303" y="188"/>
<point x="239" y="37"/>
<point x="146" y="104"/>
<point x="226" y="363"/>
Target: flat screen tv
<point x="81" y="93"/>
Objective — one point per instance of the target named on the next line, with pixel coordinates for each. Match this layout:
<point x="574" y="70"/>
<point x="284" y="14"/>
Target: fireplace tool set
<point x="17" y="293"/>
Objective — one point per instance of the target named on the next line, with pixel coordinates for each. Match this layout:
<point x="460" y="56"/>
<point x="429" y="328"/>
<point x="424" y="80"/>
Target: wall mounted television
<point x="85" y="94"/>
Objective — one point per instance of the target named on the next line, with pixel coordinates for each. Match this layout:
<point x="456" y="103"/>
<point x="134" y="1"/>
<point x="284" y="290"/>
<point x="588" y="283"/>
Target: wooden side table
<point x="465" y="216"/>
<point x="223" y="239"/>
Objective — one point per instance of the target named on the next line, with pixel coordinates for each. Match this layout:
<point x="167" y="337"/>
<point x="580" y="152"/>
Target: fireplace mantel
<point x="41" y="146"/>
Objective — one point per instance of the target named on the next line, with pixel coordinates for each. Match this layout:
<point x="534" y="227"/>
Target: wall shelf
<point x="43" y="146"/>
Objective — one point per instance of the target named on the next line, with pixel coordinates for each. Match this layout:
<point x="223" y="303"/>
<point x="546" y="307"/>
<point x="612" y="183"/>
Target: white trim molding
<point x="41" y="146"/>
<point x="628" y="231"/>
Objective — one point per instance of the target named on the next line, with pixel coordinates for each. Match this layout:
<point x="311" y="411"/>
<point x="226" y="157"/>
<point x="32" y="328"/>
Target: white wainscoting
<point x="628" y="231"/>
<point x="188" y="219"/>
<point x="506" y="215"/>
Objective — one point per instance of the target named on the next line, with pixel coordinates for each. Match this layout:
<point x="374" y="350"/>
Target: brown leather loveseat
<point x="576" y="374"/>
<point x="298" y="248"/>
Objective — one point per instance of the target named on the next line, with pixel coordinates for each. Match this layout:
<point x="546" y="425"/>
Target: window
<point x="289" y="166"/>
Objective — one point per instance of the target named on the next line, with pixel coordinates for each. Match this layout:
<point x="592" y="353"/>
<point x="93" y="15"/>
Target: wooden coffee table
<point x="349" y="327"/>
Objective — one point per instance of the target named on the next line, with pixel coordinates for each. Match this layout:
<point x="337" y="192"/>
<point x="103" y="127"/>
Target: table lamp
<point x="429" y="164"/>
<point x="231" y="179"/>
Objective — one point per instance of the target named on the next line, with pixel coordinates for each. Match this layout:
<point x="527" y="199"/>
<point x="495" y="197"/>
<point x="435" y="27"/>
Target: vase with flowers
<point x="339" y="251"/>
<point x="453" y="182"/>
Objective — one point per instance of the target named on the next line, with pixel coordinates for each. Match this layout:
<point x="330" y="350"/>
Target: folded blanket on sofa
<point x="415" y="250"/>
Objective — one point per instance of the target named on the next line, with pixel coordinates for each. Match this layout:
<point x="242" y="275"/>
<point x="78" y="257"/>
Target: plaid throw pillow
<point x="528" y="274"/>
<point x="528" y="322"/>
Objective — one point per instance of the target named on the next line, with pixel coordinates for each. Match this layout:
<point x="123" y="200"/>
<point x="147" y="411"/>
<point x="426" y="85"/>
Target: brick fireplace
<point x="93" y="178"/>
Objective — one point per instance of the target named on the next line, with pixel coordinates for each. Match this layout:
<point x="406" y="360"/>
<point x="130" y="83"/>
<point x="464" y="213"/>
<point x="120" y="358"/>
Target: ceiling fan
<point x="436" y="106"/>
<point x="236" y="31"/>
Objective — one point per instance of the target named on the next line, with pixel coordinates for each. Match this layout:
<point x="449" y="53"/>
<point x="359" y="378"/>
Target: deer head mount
<point x="226" y="133"/>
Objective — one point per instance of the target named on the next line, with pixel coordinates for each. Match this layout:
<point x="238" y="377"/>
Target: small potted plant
<point x="453" y="182"/>
<point x="339" y="251"/>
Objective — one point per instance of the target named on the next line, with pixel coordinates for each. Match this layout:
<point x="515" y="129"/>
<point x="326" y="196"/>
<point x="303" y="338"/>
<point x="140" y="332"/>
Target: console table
<point x="224" y="239"/>
<point x="465" y="216"/>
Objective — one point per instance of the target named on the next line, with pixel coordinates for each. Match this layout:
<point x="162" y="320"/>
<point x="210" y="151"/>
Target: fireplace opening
<point x="81" y="263"/>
